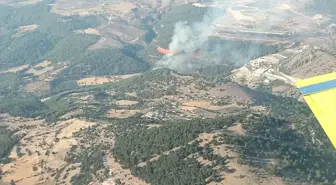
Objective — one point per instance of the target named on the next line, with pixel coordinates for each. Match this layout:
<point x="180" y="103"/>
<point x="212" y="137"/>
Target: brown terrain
<point x="113" y="31"/>
<point x="45" y="146"/>
<point x="43" y="153"/>
<point x="102" y="79"/>
<point x="45" y="71"/>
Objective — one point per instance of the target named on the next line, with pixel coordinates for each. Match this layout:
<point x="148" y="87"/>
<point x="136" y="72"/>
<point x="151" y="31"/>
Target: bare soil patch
<point x="121" y="173"/>
<point x="303" y="65"/>
<point x="237" y="129"/>
<point x="14" y="122"/>
<point x="104" y="42"/>
<point x="13" y="153"/>
<point x="73" y="125"/>
<point x="16" y="69"/>
<point x="38" y="86"/>
<point x="154" y="126"/>
<point x="85" y="8"/>
<point x="121" y="8"/>
<point x="58" y="153"/>
<point x="205" y="138"/>
<point x="126" y="102"/>
<point x="21" y="30"/>
<point x="121" y="113"/>
<point x="243" y="174"/>
<point x="22" y="170"/>
<point x="45" y="99"/>
<point x="188" y="108"/>
<point x="134" y="94"/>
<point x="39" y="145"/>
<point x="102" y="80"/>
<point x="72" y="113"/>
<point x="198" y="104"/>
<point x="89" y="31"/>
<point x="44" y="68"/>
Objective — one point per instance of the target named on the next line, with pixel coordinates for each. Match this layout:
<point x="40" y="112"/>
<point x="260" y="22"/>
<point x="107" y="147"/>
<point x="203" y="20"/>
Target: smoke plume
<point x="247" y="32"/>
<point x="189" y="39"/>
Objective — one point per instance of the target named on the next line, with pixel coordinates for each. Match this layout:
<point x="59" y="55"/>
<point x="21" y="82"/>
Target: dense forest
<point x="7" y="142"/>
<point x="298" y="152"/>
<point x="105" y="62"/>
<point x="49" y="41"/>
<point x="267" y="138"/>
<point x="298" y="159"/>
<point x="22" y="106"/>
<point x="131" y="150"/>
<point x="28" y="49"/>
<point x="92" y="161"/>
<point x="178" y="169"/>
<point x="54" y="40"/>
<point x="10" y="83"/>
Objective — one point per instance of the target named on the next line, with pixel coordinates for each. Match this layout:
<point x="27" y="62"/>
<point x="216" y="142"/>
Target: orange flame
<point x="165" y="51"/>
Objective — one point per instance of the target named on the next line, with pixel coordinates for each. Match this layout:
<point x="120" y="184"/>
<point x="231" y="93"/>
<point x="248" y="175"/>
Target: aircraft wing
<point x="320" y="94"/>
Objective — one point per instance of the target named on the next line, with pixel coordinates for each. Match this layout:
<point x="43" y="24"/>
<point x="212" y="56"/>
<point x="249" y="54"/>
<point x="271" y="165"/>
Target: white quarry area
<point x="266" y="69"/>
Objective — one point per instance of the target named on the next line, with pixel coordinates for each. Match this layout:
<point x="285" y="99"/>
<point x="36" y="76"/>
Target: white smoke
<point x="264" y="16"/>
<point x="189" y="39"/>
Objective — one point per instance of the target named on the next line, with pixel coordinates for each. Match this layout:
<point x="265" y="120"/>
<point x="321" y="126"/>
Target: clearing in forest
<point x="102" y="79"/>
<point x="123" y="174"/>
<point x="21" y="30"/>
<point x="41" y="68"/>
<point x="243" y="174"/>
<point x="89" y="31"/>
<point x="198" y="103"/>
<point x="122" y="113"/>
<point x="16" y="69"/>
<point x="126" y="102"/>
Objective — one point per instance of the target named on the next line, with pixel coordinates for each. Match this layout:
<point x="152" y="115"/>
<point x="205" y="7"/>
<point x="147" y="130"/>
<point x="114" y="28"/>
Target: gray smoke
<point x="189" y="39"/>
<point x="272" y="16"/>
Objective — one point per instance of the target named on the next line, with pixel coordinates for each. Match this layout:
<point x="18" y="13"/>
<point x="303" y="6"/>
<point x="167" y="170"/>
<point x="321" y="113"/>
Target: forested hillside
<point x="105" y="62"/>
<point x="75" y="114"/>
<point x="54" y="39"/>
<point x="32" y="34"/>
<point x="7" y="141"/>
<point x="298" y="158"/>
<point x="49" y="41"/>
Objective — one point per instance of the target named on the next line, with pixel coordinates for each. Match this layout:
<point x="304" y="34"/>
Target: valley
<point x="87" y="98"/>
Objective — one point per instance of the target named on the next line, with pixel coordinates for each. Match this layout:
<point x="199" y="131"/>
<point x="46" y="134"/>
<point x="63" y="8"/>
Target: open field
<point x="41" y="150"/>
<point x="126" y="102"/>
<point x="88" y="31"/>
<point x="122" y="113"/>
<point x="102" y="80"/>
<point x="124" y="175"/>
<point x="243" y="173"/>
<point x="16" y="69"/>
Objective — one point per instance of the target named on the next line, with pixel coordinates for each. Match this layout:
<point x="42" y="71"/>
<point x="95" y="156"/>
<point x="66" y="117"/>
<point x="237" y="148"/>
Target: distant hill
<point x="76" y="110"/>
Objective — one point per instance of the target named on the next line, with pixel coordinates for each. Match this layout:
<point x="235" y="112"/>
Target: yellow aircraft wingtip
<point x="315" y="80"/>
<point x="320" y="94"/>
